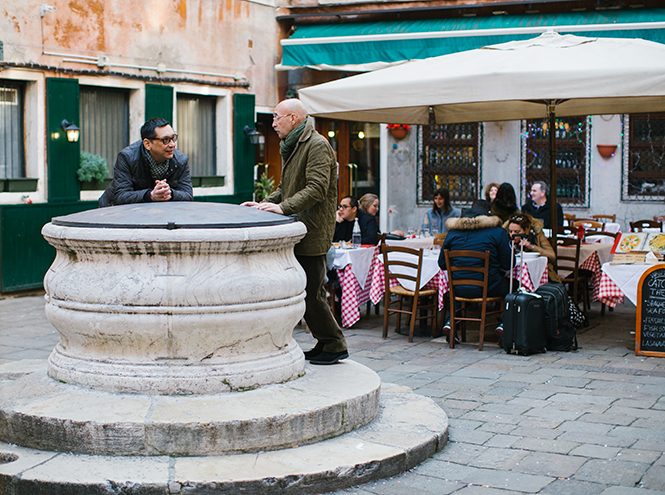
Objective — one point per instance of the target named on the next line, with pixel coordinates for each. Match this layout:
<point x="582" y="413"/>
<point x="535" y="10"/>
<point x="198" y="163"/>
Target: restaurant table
<point x="618" y="281"/>
<point x="592" y="257"/>
<point x="433" y="277"/>
<point x="354" y="268"/>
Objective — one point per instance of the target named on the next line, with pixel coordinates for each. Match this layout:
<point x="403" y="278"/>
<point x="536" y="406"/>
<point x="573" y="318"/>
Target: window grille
<point x="197" y="132"/>
<point x="104" y="114"/>
<point x="450" y="159"/>
<point x="12" y="151"/>
<point x="572" y="158"/>
<point x="644" y="157"/>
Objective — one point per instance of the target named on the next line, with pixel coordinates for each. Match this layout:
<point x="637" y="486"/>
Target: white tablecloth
<point x="429" y="269"/>
<point x="360" y="260"/>
<point x="626" y="277"/>
<point x="536" y="266"/>
<point x="586" y="250"/>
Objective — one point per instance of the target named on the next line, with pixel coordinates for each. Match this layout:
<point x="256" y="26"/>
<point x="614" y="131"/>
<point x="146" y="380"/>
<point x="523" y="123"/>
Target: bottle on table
<point x="355" y="238"/>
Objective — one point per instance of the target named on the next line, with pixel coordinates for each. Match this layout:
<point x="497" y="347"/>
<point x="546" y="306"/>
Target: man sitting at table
<point x="539" y="206"/>
<point x="476" y="231"/>
<point x="347" y="212"/>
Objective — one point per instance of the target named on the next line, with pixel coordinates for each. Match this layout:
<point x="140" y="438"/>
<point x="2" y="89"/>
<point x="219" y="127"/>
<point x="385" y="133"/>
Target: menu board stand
<point x="650" y="325"/>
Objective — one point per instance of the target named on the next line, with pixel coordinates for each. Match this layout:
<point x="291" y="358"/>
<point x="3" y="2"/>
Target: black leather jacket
<point x="132" y="182"/>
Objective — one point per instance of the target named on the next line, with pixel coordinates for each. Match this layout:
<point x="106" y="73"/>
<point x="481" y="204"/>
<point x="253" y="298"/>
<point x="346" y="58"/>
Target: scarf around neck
<point x="288" y="144"/>
<point x="157" y="170"/>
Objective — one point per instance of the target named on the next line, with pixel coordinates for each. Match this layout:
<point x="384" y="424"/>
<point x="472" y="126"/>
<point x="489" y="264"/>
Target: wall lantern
<point x="72" y="130"/>
<point x="253" y="134"/>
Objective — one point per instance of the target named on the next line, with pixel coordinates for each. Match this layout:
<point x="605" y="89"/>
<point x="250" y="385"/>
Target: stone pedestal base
<point x="407" y="430"/>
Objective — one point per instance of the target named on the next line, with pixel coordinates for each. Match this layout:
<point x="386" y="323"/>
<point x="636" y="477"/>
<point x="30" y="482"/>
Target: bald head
<point x="294" y="106"/>
<point x="288" y="115"/>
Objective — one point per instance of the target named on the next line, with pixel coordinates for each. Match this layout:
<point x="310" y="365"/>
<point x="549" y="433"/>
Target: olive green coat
<point x="308" y="190"/>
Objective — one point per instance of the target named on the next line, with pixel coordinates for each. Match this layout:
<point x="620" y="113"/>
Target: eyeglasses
<point x="517" y="218"/>
<point x="343" y="207"/>
<point x="276" y="117"/>
<point x="166" y="140"/>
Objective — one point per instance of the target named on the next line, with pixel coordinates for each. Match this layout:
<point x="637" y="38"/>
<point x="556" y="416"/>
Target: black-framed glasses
<point x="166" y="140"/>
<point x="343" y="207"/>
<point x="517" y="218"/>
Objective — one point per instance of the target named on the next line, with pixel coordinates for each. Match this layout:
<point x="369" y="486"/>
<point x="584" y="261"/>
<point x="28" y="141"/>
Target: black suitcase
<point x="558" y="326"/>
<point x="523" y="321"/>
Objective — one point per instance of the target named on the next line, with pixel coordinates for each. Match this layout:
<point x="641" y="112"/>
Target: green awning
<point x="365" y="46"/>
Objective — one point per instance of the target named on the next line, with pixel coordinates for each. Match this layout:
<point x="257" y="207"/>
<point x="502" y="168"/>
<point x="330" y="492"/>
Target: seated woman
<point x="533" y="241"/>
<point x="490" y="194"/>
<point x="347" y="212"/>
<point x="434" y="220"/>
<point x="369" y="203"/>
<point x="505" y="203"/>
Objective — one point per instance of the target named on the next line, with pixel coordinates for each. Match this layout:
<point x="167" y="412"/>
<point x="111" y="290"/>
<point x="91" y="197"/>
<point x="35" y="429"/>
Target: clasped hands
<point x="272" y="207"/>
<point x="161" y="191"/>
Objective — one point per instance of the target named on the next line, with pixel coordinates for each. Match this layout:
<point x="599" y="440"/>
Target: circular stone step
<point x="408" y="429"/>
<point x="41" y="413"/>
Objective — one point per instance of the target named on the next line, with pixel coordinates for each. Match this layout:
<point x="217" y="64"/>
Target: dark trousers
<point x="318" y="316"/>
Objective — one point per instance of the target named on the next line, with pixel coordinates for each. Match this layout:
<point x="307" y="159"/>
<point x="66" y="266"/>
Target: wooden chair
<point x="413" y="267"/>
<point x="451" y="268"/>
<point x="576" y="281"/>
<point x="438" y="241"/>
<point x="589" y="224"/>
<point x="659" y="218"/>
<point x="566" y="231"/>
<point x="638" y="225"/>
<point x="569" y="217"/>
<point x="602" y="218"/>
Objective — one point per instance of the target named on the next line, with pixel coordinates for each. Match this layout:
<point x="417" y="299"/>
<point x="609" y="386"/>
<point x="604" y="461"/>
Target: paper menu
<point x="655" y="242"/>
<point x="629" y="242"/>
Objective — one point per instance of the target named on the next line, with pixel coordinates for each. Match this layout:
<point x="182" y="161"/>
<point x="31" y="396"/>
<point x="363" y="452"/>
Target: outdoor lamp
<point x="72" y="130"/>
<point x="253" y="134"/>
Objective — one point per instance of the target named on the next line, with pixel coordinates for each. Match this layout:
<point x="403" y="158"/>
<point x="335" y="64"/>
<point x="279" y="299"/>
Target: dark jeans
<point x="318" y="316"/>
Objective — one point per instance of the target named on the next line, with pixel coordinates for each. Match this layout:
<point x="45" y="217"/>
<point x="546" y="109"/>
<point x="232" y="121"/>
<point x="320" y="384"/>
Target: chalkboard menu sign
<point x="650" y="327"/>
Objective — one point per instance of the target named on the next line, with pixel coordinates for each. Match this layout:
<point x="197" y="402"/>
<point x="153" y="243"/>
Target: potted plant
<point x="264" y="187"/>
<point x="92" y="171"/>
<point x="399" y="131"/>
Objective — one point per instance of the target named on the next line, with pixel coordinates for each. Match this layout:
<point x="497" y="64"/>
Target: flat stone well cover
<point x="173" y="215"/>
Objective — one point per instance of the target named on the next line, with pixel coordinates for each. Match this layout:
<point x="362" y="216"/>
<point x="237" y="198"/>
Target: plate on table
<point x="530" y="256"/>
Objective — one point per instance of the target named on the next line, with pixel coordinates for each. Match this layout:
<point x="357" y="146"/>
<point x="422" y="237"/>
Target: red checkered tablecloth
<point x="440" y="282"/>
<point x="352" y="294"/>
<point x="608" y="292"/>
<point x="378" y="287"/>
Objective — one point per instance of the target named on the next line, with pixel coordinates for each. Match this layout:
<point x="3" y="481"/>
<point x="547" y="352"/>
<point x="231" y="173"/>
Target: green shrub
<point x="92" y="167"/>
<point x="264" y="187"/>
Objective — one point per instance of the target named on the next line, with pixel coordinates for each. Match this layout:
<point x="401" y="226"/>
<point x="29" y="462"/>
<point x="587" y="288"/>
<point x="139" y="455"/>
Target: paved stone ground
<point x="585" y="422"/>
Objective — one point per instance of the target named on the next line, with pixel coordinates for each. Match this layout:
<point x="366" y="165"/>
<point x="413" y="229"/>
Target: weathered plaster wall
<point x="233" y="37"/>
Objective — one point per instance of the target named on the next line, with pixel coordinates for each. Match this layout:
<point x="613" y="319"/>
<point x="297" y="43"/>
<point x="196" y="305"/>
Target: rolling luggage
<point x="559" y="329"/>
<point x="523" y="320"/>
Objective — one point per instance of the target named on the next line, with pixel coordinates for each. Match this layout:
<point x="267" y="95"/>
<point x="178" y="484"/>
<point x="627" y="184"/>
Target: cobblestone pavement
<point x="586" y="422"/>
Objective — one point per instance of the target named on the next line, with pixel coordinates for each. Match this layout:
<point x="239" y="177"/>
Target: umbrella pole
<point x="551" y="115"/>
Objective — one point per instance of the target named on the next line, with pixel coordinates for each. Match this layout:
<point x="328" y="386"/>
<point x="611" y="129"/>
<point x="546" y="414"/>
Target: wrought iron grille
<point x="571" y="135"/>
<point x="644" y="174"/>
<point x="450" y="159"/>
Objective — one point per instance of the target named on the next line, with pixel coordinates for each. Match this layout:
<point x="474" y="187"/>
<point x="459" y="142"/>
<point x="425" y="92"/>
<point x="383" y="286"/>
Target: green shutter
<point x="62" y="103"/>
<point x="244" y="152"/>
<point x="158" y="102"/>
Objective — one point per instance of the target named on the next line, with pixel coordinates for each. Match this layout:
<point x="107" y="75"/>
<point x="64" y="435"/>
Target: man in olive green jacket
<point x="308" y="190"/>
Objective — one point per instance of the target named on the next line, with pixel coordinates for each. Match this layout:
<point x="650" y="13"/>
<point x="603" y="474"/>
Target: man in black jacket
<point x="539" y="206"/>
<point x="347" y="212"/>
<point x="150" y="169"/>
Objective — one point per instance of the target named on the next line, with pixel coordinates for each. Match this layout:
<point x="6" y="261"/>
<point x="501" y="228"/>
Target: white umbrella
<point x="551" y="74"/>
